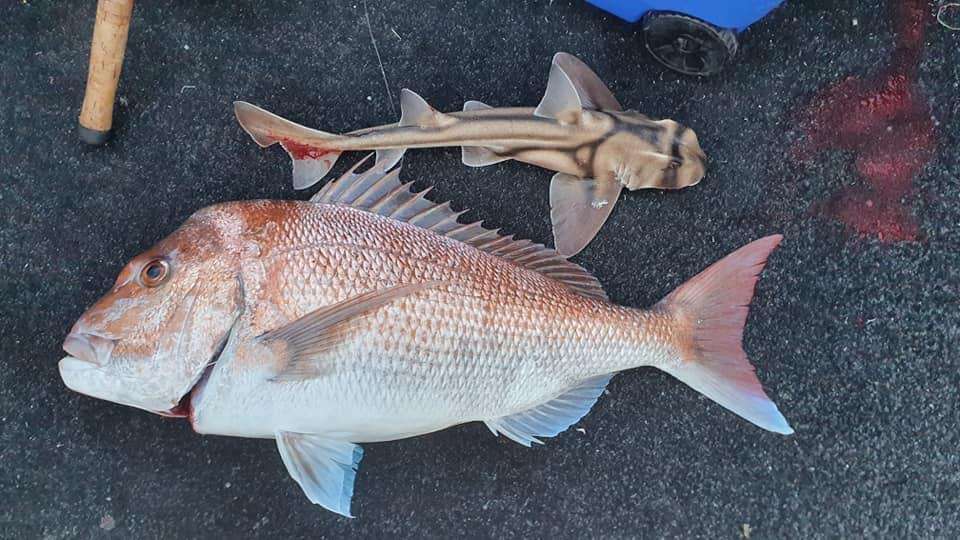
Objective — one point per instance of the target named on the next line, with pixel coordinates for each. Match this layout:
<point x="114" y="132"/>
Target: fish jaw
<point x="95" y="381"/>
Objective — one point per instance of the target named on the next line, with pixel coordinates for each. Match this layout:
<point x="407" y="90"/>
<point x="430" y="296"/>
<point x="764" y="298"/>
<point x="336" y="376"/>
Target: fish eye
<point x="674" y="163"/>
<point x="154" y="272"/>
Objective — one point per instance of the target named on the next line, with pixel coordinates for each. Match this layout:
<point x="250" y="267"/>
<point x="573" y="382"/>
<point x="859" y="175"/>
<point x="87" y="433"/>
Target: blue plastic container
<point x="735" y="15"/>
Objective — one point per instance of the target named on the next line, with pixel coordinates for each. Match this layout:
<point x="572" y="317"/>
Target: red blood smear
<point x="885" y="122"/>
<point x="303" y="151"/>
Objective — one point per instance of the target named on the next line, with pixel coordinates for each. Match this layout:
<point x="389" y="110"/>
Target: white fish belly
<point x="388" y="383"/>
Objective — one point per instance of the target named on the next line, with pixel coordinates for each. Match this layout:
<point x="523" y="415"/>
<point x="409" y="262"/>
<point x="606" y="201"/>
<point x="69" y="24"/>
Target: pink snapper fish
<point x="370" y="313"/>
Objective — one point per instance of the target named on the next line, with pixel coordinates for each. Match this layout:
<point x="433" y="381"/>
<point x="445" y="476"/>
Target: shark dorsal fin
<point x="573" y="86"/>
<point x="379" y="191"/>
<point x="560" y="97"/>
<point x="590" y="89"/>
<point x="474" y="105"/>
<point x="415" y="111"/>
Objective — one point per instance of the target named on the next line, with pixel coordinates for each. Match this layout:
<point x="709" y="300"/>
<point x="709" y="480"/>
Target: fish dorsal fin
<point x="590" y="89"/>
<point x="325" y="468"/>
<point x="561" y="96"/>
<point x="551" y="418"/>
<point x="474" y="105"/>
<point x="380" y="191"/>
<point x="416" y="112"/>
<point x="572" y="87"/>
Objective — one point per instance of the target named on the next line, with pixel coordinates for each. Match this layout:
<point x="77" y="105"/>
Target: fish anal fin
<point x="325" y="468"/>
<point x="478" y="156"/>
<point x="378" y="190"/>
<point x="308" y="339"/>
<point x="416" y="112"/>
<point x="552" y="417"/>
<point x="578" y="208"/>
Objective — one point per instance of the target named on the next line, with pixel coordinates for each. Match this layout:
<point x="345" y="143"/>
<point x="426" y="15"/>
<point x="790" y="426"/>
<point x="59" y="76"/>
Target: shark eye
<point x="154" y="272"/>
<point x="674" y="164"/>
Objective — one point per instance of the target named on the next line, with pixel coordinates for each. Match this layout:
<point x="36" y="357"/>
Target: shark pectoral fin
<point x="551" y="418"/>
<point x="560" y="96"/>
<point x="477" y="156"/>
<point x="307" y="339"/>
<point x="325" y="468"/>
<point x="578" y="208"/>
<point x="313" y="152"/>
<point x="592" y="92"/>
<point x="474" y="105"/>
<point x="416" y="112"/>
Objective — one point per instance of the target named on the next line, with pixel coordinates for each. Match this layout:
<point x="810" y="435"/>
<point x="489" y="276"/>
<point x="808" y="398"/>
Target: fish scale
<point x="499" y="347"/>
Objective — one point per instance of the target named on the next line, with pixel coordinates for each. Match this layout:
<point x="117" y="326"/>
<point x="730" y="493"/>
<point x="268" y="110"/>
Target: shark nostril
<point x="89" y="348"/>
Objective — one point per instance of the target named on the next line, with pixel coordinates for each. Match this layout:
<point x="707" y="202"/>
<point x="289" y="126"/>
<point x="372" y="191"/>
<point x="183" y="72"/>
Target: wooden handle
<point x="106" y="61"/>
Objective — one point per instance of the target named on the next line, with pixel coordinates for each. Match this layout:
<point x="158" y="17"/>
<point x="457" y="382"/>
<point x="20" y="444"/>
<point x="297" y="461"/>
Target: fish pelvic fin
<point x="478" y="156"/>
<point x="313" y="152"/>
<point x="711" y="310"/>
<point x="325" y="468"/>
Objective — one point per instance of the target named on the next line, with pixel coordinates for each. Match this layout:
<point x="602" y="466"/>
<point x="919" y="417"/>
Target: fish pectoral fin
<point x="552" y="417"/>
<point x="578" y="208"/>
<point x="310" y="337"/>
<point x="416" y="112"/>
<point x="325" y="468"/>
<point x="478" y="156"/>
<point x="474" y="105"/>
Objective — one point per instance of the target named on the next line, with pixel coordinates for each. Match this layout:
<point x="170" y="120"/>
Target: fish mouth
<point x="89" y="348"/>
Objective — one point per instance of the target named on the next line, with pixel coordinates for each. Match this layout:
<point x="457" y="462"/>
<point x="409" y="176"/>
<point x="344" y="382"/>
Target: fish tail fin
<point x="313" y="152"/>
<point x="711" y="310"/>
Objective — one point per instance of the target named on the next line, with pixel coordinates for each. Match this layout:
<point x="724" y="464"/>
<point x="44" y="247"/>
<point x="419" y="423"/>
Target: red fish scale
<point x="501" y="329"/>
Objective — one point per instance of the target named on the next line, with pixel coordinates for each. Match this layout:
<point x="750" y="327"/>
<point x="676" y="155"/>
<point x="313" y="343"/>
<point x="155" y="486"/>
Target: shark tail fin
<point x="313" y="152"/>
